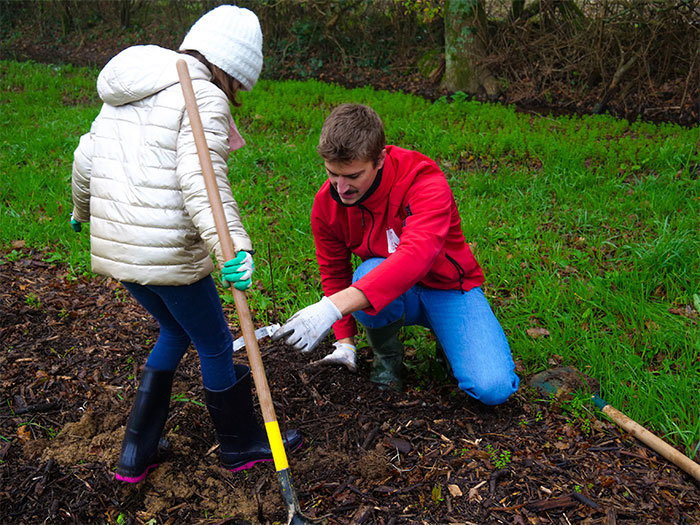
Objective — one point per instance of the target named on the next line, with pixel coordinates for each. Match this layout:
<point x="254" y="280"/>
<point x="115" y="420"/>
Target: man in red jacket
<point x="393" y="208"/>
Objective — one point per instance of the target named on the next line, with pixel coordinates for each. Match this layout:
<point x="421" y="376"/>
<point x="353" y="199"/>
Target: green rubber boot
<point x="387" y="365"/>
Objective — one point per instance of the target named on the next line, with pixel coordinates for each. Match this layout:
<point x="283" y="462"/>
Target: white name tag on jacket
<point x="392" y="240"/>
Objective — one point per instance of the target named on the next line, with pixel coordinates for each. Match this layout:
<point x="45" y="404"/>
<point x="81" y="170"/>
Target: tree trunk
<point x="125" y="13"/>
<point x="66" y="17"/>
<point x="466" y="34"/>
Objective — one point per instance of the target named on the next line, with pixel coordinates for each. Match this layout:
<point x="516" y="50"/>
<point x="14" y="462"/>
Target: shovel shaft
<point x="652" y="441"/>
<point x="568" y="378"/>
<point x="227" y="249"/>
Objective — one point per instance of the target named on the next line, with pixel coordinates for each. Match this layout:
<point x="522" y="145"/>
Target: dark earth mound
<point x="72" y="350"/>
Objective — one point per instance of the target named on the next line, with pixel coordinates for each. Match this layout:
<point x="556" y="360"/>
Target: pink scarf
<point x="235" y="141"/>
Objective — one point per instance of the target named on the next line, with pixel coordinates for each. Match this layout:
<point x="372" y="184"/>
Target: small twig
<point x="39" y="407"/>
<point x="622" y="69"/>
<point x="687" y="83"/>
<point x="259" y="499"/>
<point x="357" y="491"/>
<point x="494" y="479"/>
<point x="272" y="284"/>
<point x="560" y="502"/>
<point x="39" y="487"/>
<point x="342" y="486"/>
<point x="394" y="491"/>
<point x="583" y="499"/>
<point x="4" y="450"/>
<point x="370" y="437"/>
<point x="509" y="509"/>
<point x="311" y="388"/>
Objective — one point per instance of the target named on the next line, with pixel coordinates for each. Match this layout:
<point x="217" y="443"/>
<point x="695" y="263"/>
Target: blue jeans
<point x="465" y="326"/>
<point x="187" y="314"/>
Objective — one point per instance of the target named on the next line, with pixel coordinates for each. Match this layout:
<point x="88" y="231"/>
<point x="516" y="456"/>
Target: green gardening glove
<point x="238" y="271"/>
<point x="75" y="225"/>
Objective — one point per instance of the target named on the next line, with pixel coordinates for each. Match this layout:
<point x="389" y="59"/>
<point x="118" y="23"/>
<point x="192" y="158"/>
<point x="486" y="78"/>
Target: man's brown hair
<point x="352" y="132"/>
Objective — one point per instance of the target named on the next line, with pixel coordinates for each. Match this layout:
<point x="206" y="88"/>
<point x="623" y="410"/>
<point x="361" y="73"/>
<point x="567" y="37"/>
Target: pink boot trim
<point x="246" y="466"/>
<point x="136" y="479"/>
<point x="251" y="463"/>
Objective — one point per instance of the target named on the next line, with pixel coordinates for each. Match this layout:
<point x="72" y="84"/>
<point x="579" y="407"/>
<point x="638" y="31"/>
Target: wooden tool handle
<point x="217" y="208"/>
<point x="653" y="442"/>
<point x="272" y="429"/>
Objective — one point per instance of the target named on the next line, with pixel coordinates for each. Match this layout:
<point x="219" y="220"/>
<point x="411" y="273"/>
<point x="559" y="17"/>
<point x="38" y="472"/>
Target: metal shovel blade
<point x="566" y="378"/>
<point x="294" y="513"/>
<point x="563" y="379"/>
<point x="265" y="331"/>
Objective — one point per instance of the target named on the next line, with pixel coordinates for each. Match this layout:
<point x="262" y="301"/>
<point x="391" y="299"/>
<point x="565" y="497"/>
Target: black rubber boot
<point x="242" y="441"/>
<point x="387" y="364"/>
<point x="144" y="427"/>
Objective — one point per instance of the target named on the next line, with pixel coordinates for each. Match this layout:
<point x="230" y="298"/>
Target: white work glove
<point x="309" y="326"/>
<point x="344" y="354"/>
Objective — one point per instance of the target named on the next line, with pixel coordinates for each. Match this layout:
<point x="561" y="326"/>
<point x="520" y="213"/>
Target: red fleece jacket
<point x="412" y="205"/>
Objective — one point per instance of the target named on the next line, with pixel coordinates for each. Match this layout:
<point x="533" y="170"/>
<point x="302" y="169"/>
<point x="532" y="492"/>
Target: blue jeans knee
<point x="390" y="313"/>
<point x="463" y="322"/>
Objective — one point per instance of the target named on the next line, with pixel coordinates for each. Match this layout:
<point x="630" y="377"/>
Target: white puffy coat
<point x="137" y="178"/>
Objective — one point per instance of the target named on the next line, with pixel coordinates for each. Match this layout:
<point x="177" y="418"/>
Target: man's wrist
<point x="349" y="300"/>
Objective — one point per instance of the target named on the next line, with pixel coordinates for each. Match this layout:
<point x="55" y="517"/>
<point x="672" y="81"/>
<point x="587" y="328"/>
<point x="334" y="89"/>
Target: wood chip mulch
<point x="71" y="353"/>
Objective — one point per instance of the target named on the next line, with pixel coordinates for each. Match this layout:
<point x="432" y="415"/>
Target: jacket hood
<point x="141" y="71"/>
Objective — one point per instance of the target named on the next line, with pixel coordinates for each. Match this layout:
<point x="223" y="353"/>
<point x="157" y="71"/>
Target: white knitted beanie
<point x="230" y="38"/>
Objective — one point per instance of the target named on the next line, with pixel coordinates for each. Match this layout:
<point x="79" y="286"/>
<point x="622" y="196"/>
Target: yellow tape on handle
<point x="278" y="453"/>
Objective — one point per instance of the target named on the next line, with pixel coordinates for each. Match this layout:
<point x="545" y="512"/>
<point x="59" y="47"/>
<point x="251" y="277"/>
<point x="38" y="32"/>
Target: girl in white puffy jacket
<point x="138" y="182"/>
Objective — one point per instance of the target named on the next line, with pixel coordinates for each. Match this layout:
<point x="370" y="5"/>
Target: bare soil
<point x="72" y="350"/>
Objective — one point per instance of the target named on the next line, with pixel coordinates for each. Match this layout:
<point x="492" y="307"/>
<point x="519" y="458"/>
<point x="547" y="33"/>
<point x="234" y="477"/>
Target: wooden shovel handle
<point x="653" y="442"/>
<point x="217" y="208"/>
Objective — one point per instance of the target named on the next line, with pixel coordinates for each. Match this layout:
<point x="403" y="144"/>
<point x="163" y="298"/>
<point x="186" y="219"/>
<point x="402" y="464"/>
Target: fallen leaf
<point x="455" y="491"/>
<point x="474" y="492"/>
<point x="687" y="311"/>
<point x="399" y="444"/>
<point x="561" y="445"/>
<point x="23" y="433"/>
<point x="537" y="332"/>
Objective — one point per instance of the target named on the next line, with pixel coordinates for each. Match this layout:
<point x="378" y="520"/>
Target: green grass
<point x="587" y="227"/>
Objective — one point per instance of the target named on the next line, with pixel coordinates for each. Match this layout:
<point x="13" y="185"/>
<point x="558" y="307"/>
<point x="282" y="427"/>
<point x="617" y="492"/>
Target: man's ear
<point x="380" y="161"/>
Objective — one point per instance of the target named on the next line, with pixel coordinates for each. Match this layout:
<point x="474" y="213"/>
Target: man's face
<point x="352" y="180"/>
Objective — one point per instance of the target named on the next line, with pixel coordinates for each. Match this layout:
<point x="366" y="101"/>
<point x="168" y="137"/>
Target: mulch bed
<point x="72" y="351"/>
